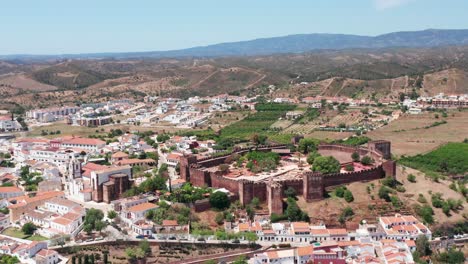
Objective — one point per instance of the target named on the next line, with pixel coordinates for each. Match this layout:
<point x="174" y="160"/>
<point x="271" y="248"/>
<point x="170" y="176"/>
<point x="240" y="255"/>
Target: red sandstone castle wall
<point x="275" y="199"/>
<point x="313" y="186"/>
<point x="297" y="185"/>
<point x="389" y="167"/>
<point x="349" y="177"/>
<point x="218" y="181"/>
<point x="203" y="205"/>
<point x="372" y="151"/>
<point x="248" y="190"/>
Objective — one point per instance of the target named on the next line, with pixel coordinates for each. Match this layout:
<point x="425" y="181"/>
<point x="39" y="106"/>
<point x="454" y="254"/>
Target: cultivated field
<point x="409" y="135"/>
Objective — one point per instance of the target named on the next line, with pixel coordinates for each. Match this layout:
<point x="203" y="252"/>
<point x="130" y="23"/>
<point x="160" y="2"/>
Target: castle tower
<point x="313" y="186"/>
<point x="184" y="163"/>
<point x="383" y="146"/>
<point x="274" y="198"/>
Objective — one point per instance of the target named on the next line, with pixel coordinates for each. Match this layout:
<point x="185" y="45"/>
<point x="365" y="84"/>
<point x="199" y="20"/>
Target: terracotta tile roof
<point x="178" y="181"/>
<point x="170" y="223"/>
<point x="142" y="207"/>
<point x="62" y="221"/>
<point x="84" y="141"/>
<point x="304" y="251"/>
<point x="46" y="252"/>
<point x="244" y="227"/>
<point x="338" y="232"/>
<point x="24" y="200"/>
<point x="71" y="216"/>
<point x="300" y="227"/>
<point x="63" y="202"/>
<point x="32" y="140"/>
<point x="272" y="254"/>
<point x="410" y="243"/>
<point x="120" y="154"/>
<point x="134" y="161"/>
<point x="319" y="232"/>
<point x="93" y="166"/>
<point x="173" y="156"/>
<point x="10" y="189"/>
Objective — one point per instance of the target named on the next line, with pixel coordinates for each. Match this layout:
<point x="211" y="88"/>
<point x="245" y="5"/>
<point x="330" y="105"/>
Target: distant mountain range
<point x="288" y="44"/>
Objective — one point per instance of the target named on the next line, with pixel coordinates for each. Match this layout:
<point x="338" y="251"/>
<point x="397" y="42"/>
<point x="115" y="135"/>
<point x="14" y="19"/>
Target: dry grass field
<point x="409" y="135"/>
<point x="67" y="130"/>
<point x="328" y="210"/>
<point x="425" y="186"/>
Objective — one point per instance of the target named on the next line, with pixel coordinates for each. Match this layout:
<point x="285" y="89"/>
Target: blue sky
<point x="61" y="26"/>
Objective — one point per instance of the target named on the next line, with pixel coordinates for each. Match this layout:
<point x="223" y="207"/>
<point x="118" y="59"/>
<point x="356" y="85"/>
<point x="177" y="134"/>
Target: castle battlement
<point x="307" y="183"/>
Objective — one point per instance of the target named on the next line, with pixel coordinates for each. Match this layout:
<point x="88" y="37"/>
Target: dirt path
<point x="392" y="85"/>
<point x="256" y="82"/>
<point x="328" y="86"/>
<point x="204" y="79"/>
<point x="342" y="87"/>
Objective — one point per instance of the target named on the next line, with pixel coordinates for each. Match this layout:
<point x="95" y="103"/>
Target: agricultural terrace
<point x="258" y="123"/>
<point x="417" y="134"/>
<point x="451" y="158"/>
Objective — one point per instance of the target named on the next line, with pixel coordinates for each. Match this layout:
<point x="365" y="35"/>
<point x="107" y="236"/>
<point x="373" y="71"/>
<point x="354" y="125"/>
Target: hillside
<point x="362" y="73"/>
<point x="289" y="44"/>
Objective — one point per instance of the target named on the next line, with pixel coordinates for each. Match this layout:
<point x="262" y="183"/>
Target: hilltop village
<point x="226" y="171"/>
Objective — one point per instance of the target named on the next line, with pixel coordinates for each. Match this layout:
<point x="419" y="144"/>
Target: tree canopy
<point x="307" y="145"/>
<point x="326" y="165"/>
<point x="219" y="200"/>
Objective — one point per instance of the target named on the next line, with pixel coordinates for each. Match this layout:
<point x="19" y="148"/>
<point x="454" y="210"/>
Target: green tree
<point x="311" y="157"/>
<point x="366" y="160"/>
<point x="219" y="218"/>
<point x="452" y="256"/>
<point x="307" y="145"/>
<point x="411" y="178"/>
<point x="290" y="192"/>
<point x="422" y="246"/>
<point x="349" y="167"/>
<point x="250" y="212"/>
<point x="255" y="202"/>
<point x="219" y="200"/>
<point x="111" y="214"/>
<point x="240" y="260"/>
<point x="293" y="212"/>
<point x="250" y="236"/>
<point x="348" y="196"/>
<point x="93" y="220"/>
<point x="346" y="214"/>
<point x="145" y="247"/>
<point x="339" y="191"/>
<point x="384" y="193"/>
<point x="258" y="139"/>
<point x="355" y="156"/>
<point x="7" y="259"/>
<point x="326" y="165"/>
<point x="162" y="138"/>
<point x="29" y="228"/>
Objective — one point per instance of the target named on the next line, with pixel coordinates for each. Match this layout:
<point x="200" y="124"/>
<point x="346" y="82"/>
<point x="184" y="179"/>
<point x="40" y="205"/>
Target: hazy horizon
<point x="55" y="27"/>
